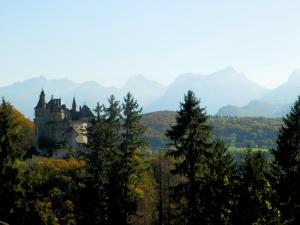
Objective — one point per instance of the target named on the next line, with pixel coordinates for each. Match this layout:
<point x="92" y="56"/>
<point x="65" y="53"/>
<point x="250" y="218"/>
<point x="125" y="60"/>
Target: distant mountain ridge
<point x="275" y="103"/>
<point x="24" y="95"/>
<point x="287" y="92"/>
<point x="224" y="93"/>
<point x="215" y="90"/>
<point x="255" y="108"/>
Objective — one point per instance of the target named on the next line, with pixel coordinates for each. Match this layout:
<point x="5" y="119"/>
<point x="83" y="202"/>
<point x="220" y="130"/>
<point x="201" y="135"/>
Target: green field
<point x="233" y="149"/>
<point x="239" y="152"/>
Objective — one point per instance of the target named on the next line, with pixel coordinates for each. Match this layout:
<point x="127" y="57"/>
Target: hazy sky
<point x="109" y="41"/>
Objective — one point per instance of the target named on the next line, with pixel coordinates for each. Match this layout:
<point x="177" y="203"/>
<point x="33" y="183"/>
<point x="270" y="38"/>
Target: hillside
<point x="239" y="132"/>
<point x="254" y="109"/>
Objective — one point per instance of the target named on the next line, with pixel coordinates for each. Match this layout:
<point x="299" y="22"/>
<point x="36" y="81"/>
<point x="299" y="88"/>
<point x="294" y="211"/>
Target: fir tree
<point x="287" y="165"/>
<point x="130" y="157"/>
<point x="217" y="187"/>
<point x="10" y="153"/>
<point x="94" y="196"/>
<point x="102" y="158"/>
<point x="255" y="192"/>
<point x="113" y="139"/>
<point x="192" y="147"/>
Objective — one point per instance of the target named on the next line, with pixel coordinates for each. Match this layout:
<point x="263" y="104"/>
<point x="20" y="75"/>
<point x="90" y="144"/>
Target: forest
<point x="191" y="179"/>
<point x="234" y="131"/>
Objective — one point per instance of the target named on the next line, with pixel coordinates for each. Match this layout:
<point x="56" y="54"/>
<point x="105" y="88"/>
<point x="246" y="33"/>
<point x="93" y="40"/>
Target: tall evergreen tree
<point x="94" y="196"/>
<point x="114" y="138"/>
<point x="10" y="152"/>
<point x="130" y="157"/>
<point x="287" y="165"/>
<point x="217" y="187"/>
<point x="255" y="193"/>
<point x="103" y="155"/>
<point x="192" y="147"/>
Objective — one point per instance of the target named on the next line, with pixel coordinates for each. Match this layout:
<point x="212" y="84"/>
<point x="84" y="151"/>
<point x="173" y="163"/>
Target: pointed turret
<point x="41" y="106"/>
<point x="42" y="102"/>
<point x="74" y="105"/>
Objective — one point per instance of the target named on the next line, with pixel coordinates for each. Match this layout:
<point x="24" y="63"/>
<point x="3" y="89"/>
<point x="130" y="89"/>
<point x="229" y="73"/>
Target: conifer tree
<point x="114" y="138"/>
<point x="102" y="158"/>
<point x="287" y="165"/>
<point x="255" y="193"/>
<point x="217" y="187"/>
<point x="10" y="152"/>
<point x="192" y="147"/>
<point x="130" y="157"/>
<point x="94" y="197"/>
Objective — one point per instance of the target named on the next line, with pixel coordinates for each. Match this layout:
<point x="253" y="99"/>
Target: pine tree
<point x="287" y="154"/>
<point x="255" y="193"/>
<point x="94" y="196"/>
<point x="10" y="153"/>
<point x="217" y="187"/>
<point x="287" y="165"/>
<point x="113" y="125"/>
<point x="192" y="147"/>
<point x="114" y="138"/>
<point x="130" y="157"/>
<point x="104" y="141"/>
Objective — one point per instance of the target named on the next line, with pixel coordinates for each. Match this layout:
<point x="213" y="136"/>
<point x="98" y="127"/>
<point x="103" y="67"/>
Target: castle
<point x="60" y="130"/>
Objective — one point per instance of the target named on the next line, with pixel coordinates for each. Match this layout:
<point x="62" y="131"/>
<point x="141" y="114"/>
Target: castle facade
<point x="60" y="130"/>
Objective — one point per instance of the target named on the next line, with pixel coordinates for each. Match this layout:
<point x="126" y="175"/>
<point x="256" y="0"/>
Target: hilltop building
<point x="60" y="130"/>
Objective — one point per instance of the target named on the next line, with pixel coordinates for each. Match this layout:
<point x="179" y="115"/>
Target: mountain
<point x="255" y="108"/>
<point x="287" y="92"/>
<point x="275" y="103"/>
<point x="240" y="96"/>
<point x="145" y="90"/>
<point x="24" y="95"/>
<point x="215" y="90"/>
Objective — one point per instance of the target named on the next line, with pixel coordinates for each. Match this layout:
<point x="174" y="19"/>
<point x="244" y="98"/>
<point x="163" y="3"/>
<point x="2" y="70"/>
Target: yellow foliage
<point x="139" y="191"/>
<point x="24" y="122"/>
<point x="268" y="204"/>
<point x="60" y="164"/>
<point x="226" y="181"/>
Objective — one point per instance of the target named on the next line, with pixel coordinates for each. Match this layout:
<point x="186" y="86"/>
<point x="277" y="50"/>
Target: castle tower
<point x="40" y="115"/>
<point x="74" y="105"/>
<point x="41" y="106"/>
